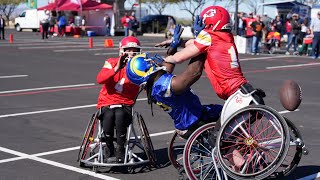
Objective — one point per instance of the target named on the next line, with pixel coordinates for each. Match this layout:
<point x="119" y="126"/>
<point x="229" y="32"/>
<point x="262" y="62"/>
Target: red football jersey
<point x="222" y="64"/>
<point x="248" y="21"/>
<point x="116" y="89"/>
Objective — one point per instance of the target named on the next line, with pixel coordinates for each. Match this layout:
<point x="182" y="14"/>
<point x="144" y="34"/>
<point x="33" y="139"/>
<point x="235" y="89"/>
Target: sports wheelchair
<point x="138" y="147"/>
<point x="254" y="142"/>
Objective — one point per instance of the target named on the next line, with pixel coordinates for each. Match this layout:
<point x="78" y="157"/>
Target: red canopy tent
<point x="74" y="5"/>
<point x="50" y="7"/>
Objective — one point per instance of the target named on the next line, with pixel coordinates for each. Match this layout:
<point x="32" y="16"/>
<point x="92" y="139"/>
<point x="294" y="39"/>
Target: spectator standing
<point x="241" y="25"/>
<point x="133" y="26"/>
<point x="266" y="21"/>
<point x="257" y="27"/>
<point x="125" y="22"/>
<point x="315" y="31"/>
<point x="249" y="33"/>
<point x="45" y="24"/>
<point x="170" y="28"/>
<point x="62" y="23"/>
<point x="107" y="22"/>
<point x="288" y="30"/>
<point x="295" y="30"/>
<point x="277" y="23"/>
<point x="2" y="25"/>
<point x="303" y="32"/>
<point x="83" y="26"/>
<point x="52" y="22"/>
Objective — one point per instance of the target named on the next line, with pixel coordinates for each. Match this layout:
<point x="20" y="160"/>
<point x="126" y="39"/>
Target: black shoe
<point x="109" y="150"/>
<point x="120" y="152"/>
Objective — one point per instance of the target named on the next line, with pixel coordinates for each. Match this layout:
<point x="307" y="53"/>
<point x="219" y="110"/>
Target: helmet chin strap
<point x="215" y="26"/>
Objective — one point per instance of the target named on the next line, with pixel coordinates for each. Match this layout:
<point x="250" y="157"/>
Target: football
<point x="290" y="95"/>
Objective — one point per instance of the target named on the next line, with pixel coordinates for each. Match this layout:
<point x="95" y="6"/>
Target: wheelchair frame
<point x="137" y="136"/>
<point x="232" y="106"/>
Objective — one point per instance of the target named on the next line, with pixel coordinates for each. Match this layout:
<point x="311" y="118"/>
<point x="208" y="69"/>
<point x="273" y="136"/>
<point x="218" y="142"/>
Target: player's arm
<point x="110" y="68"/>
<point x="192" y="73"/>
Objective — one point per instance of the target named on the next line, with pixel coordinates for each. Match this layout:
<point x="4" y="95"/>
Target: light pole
<point x="236" y="19"/>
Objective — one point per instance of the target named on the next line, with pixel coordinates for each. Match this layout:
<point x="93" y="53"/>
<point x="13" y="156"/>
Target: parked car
<point x="29" y="19"/>
<point x="154" y="23"/>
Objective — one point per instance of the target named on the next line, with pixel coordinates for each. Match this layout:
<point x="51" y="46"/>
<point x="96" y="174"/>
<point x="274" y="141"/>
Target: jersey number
<point x="119" y="85"/>
<point x="234" y="60"/>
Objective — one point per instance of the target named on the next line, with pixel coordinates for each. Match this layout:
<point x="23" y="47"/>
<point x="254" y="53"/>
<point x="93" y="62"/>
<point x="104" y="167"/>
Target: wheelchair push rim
<point x="253" y="142"/>
<point x="197" y="157"/>
<point x="175" y="150"/>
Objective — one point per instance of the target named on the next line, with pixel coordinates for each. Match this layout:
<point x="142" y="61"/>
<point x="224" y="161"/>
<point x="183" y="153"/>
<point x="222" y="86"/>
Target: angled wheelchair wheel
<point x="88" y="138"/>
<point x="175" y="150"/>
<point x="294" y="153"/>
<point x="197" y="155"/>
<point x="253" y="143"/>
<point x="145" y="138"/>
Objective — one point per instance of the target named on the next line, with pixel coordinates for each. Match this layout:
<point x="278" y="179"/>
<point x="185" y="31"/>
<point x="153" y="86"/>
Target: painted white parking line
<point x="79" y="50"/>
<point x="102" y="54"/>
<point x="311" y="177"/>
<point x="12" y="76"/>
<point x="52" y="47"/>
<point x="57" y="164"/>
<point x="55" y="110"/>
<point x="295" y="65"/>
<point x="46" y="88"/>
<point x="272" y="57"/>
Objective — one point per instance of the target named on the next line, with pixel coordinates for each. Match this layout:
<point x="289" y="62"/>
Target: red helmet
<point x="216" y="18"/>
<point x="130" y="42"/>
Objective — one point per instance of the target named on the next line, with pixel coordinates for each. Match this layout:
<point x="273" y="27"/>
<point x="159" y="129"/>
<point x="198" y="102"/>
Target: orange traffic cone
<point x="108" y="43"/>
<point x="90" y="43"/>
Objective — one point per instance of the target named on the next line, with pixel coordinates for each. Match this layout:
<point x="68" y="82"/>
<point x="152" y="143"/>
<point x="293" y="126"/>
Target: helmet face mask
<point x="216" y="18"/>
<point x="140" y="68"/>
<point x="129" y="42"/>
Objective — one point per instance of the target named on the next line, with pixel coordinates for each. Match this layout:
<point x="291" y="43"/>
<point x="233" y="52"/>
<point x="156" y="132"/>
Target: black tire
<point x="87" y="138"/>
<point x="255" y="149"/>
<point x="18" y="28"/>
<point x="145" y="138"/>
<point x="175" y="150"/>
<point x="294" y="154"/>
<point x="197" y="157"/>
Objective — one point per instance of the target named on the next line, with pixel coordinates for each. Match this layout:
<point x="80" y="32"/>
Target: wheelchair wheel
<point x="253" y="143"/>
<point x="175" y="150"/>
<point x="145" y="138"/>
<point x="294" y="154"/>
<point x="88" y="138"/>
<point x="197" y="157"/>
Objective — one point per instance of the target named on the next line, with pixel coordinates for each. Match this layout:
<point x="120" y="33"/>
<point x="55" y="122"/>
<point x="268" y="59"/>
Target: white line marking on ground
<point x="45" y="88"/>
<point x="295" y="65"/>
<point x="76" y="50"/>
<point x="102" y="54"/>
<point x="50" y="47"/>
<point x="56" y="164"/>
<point x="311" y="177"/>
<point x="12" y="76"/>
<point x="272" y="57"/>
<point x="55" y="110"/>
<point x="71" y="149"/>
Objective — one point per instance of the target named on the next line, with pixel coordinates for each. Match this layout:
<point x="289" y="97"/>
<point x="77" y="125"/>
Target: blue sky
<point x="174" y="9"/>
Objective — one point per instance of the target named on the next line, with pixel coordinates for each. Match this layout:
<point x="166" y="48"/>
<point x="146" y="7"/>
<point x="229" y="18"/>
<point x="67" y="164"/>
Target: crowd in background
<point x="298" y="32"/>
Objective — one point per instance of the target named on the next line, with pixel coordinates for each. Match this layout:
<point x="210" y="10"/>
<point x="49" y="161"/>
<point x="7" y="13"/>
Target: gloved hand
<point x="198" y="25"/>
<point x="176" y="41"/>
<point x="123" y="60"/>
<point x="157" y="59"/>
<point x="176" y="36"/>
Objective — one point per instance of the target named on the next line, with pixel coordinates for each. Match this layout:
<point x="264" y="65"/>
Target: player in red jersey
<point x="222" y="64"/>
<point x="117" y="97"/>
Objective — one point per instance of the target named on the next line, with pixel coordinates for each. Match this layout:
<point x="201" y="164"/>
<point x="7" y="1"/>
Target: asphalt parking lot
<point x="48" y="93"/>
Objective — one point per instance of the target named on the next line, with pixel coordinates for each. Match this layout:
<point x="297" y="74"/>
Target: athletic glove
<point x="176" y="41"/>
<point x="198" y="25"/>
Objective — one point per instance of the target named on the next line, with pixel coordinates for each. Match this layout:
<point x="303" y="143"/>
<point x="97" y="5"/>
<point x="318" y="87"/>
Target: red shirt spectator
<point x="248" y="21"/>
<point x="288" y="26"/>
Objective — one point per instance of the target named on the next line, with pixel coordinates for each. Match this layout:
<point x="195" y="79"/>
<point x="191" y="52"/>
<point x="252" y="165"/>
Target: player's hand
<point x="157" y="59"/>
<point x="165" y="43"/>
<point x="198" y="25"/>
<point x="176" y="41"/>
<point x="122" y="61"/>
